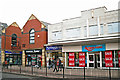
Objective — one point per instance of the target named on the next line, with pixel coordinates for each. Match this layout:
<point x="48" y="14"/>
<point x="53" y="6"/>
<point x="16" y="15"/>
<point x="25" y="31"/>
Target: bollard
<point x="63" y="72"/>
<point x="46" y="70"/>
<point x="32" y="69"/>
<point x="20" y="68"/>
<point x="109" y="73"/>
<point x="84" y="73"/>
<point x="10" y="68"/>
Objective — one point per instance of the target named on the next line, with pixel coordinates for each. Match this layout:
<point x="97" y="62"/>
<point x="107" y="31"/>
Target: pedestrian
<point x="54" y="63"/>
<point x="6" y="64"/>
<point x="59" y="64"/>
<point x="39" y="64"/>
<point x="50" y="63"/>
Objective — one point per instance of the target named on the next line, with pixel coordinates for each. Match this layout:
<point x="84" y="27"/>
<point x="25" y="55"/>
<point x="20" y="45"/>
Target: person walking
<point x="50" y="63"/>
<point x="54" y="63"/>
<point x="59" y="65"/>
<point x="39" y="64"/>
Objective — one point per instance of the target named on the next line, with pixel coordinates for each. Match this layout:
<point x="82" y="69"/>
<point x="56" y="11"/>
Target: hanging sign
<point x="119" y="58"/>
<point x="81" y="59"/>
<point x="108" y="59"/>
<point x="71" y="59"/>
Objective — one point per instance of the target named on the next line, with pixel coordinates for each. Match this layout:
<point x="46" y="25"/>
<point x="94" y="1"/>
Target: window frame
<point x="14" y="41"/>
<point x="33" y="36"/>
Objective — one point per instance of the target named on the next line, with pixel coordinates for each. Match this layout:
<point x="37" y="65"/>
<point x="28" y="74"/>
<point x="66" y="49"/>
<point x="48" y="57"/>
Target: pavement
<point x="69" y="74"/>
<point x="13" y="76"/>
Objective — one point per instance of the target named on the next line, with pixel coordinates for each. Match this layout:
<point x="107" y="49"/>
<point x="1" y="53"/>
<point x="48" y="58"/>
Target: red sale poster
<point x="71" y="59"/>
<point x="108" y="59"/>
<point x="119" y="57"/>
<point x="81" y="59"/>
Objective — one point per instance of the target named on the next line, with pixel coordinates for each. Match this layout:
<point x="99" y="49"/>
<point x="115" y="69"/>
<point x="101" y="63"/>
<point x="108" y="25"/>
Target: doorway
<point x="94" y="60"/>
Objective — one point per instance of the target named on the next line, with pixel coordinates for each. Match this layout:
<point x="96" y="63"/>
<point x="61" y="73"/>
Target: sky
<point x="51" y="11"/>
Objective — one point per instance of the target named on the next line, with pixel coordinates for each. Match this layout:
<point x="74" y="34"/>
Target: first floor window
<point x="32" y="36"/>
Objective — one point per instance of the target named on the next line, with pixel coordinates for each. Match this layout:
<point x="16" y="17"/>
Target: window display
<point x="13" y="59"/>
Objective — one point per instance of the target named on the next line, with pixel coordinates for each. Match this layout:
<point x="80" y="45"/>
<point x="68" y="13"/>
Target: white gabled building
<point x="94" y="33"/>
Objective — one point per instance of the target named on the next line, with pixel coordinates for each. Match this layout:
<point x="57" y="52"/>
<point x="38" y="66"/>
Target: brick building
<point x="25" y="46"/>
<point x="11" y="45"/>
<point x="34" y="36"/>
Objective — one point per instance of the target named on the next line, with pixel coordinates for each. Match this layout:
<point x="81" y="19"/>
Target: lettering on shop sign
<point x="108" y="59"/>
<point x="54" y="48"/>
<point x="33" y="51"/>
<point x="93" y="48"/>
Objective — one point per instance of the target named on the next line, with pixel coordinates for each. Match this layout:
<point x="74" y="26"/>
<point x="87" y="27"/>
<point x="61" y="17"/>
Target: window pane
<point x="93" y="30"/>
<point x="101" y="32"/>
<point x="32" y="37"/>
<point x="113" y="27"/>
<point x="32" y="41"/>
<point x="57" y="35"/>
<point x="85" y="31"/>
<point x="32" y="34"/>
<point x="32" y="31"/>
<point x="73" y="32"/>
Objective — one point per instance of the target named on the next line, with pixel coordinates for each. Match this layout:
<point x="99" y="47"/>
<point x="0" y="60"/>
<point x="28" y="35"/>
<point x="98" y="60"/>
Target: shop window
<point x="93" y="30"/>
<point x="76" y="59"/>
<point x="32" y="36"/>
<point x="14" y="40"/>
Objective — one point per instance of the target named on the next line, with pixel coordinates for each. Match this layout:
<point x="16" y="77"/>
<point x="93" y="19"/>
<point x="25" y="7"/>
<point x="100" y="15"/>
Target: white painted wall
<point x="89" y="17"/>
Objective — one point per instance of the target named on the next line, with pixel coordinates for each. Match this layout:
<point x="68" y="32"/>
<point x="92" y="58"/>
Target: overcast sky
<point x="51" y="11"/>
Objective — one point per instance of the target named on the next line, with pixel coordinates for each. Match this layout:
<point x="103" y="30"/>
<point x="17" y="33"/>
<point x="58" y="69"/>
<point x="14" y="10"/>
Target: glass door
<point x="91" y="60"/>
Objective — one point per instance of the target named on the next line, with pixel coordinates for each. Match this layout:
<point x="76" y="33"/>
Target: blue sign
<point x="54" y="48"/>
<point x="92" y="48"/>
<point x="10" y="52"/>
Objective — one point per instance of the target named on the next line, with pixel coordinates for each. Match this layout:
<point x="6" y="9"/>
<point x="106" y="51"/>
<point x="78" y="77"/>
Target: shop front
<point x="92" y="56"/>
<point x="13" y="57"/>
<point x="32" y="57"/>
<point x="54" y="52"/>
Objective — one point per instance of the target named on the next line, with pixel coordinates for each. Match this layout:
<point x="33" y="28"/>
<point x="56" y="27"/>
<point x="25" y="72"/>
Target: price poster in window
<point x="71" y="59"/>
<point x="108" y="59"/>
<point x="119" y="57"/>
<point x="81" y="59"/>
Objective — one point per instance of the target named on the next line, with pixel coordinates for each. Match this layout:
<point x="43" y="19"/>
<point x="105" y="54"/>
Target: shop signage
<point x="108" y="59"/>
<point x="119" y="57"/>
<point x="81" y="59"/>
<point x="91" y="48"/>
<point x="54" y="48"/>
<point x="34" y="51"/>
<point x="71" y="59"/>
<point x="12" y="52"/>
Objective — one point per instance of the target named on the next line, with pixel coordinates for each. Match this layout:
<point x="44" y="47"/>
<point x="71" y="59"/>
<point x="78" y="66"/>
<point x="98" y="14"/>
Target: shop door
<point x="97" y="60"/>
<point x="91" y="60"/>
<point x="94" y="60"/>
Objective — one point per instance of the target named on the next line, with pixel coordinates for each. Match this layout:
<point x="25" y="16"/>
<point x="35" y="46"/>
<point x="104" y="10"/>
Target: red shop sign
<point x="81" y="59"/>
<point x="108" y="59"/>
<point x="119" y="57"/>
<point x="71" y="59"/>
